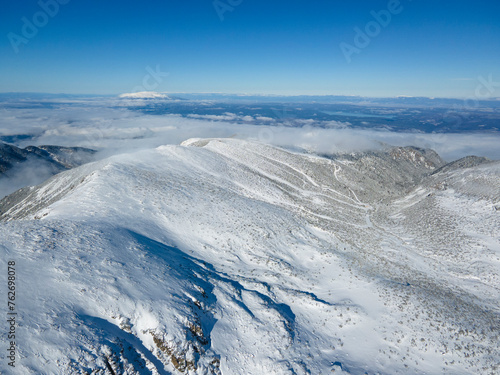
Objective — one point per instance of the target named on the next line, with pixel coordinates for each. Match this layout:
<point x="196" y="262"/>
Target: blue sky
<point x="428" y="48"/>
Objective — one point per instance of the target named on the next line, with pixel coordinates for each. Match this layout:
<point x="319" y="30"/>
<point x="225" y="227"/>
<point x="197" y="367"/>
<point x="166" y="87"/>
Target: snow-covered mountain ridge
<point x="233" y="257"/>
<point x="144" y="95"/>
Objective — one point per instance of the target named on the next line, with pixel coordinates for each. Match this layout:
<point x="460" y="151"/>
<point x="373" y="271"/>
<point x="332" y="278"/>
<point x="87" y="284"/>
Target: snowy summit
<point x="144" y="95"/>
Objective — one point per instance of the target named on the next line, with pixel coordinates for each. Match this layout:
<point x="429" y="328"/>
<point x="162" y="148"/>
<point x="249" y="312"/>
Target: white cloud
<point x="105" y="126"/>
<point x="29" y="173"/>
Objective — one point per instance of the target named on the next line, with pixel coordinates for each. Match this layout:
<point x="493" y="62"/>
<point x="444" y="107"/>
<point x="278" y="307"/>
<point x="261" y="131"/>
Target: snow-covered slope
<point x="221" y="256"/>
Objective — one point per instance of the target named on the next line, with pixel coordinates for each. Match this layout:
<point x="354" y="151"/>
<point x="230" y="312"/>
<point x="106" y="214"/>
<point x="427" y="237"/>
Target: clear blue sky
<point x="429" y="48"/>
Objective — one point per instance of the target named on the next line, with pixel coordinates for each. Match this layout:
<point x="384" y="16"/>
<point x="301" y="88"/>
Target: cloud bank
<point x="111" y="128"/>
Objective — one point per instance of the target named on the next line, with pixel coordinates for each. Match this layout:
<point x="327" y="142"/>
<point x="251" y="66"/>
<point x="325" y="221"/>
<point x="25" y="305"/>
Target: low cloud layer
<point x="29" y="173"/>
<point x="111" y="128"/>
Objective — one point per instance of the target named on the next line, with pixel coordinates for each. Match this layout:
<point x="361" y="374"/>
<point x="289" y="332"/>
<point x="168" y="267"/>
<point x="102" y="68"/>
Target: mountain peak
<point x="144" y="95"/>
<point x="227" y="256"/>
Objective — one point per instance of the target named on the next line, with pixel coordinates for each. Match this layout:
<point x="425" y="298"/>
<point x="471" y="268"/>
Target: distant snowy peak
<point x="144" y="95"/>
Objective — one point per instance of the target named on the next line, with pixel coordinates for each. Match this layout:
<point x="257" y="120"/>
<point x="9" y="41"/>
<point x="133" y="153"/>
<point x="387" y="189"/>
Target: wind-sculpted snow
<point x="222" y="256"/>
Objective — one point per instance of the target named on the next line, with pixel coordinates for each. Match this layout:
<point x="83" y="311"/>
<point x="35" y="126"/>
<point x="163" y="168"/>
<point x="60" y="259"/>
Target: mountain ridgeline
<point x="56" y="157"/>
<point x="223" y="256"/>
<point x="32" y="165"/>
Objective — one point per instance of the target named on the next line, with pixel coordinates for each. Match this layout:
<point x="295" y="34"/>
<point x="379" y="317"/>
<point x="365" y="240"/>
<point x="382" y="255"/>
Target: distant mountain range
<point x="34" y="164"/>
<point x="407" y="101"/>
<point x="58" y="158"/>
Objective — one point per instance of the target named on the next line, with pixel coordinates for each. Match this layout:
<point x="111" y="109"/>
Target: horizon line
<point x="250" y="94"/>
